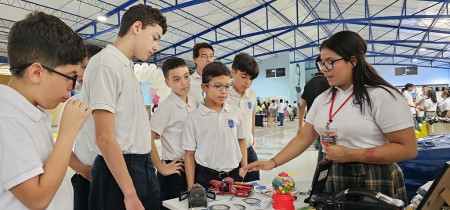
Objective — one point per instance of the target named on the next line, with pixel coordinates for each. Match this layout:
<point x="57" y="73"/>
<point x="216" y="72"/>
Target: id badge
<point x="328" y="136"/>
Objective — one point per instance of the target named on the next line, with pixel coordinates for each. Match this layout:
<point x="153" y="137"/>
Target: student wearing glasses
<point x="203" y="54"/>
<point x="214" y="133"/>
<point x="82" y="158"/>
<point x="370" y="117"/>
<point x="44" y="54"/>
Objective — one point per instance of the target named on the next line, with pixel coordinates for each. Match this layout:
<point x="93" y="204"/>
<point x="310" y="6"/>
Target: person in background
<point x="244" y="70"/>
<point x="168" y="122"/>
<point x="281" y="107"/>
<point x="409" y="88"/>
<point x="374" y="126"/>
<point x="420" y="102"/>
<point x="313" y="88"/>
<point x="444" y="106"/>
<point x="82" y="158"/>
<point x="202" y="55"/>
<point x="430" y="105"/>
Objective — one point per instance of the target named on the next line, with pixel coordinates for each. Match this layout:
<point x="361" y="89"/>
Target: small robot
<point x="197" y="197"/>
<point x="228" y="187"/>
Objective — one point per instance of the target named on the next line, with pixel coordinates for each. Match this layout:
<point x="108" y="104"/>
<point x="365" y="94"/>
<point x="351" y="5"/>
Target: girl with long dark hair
<point x="365" y="124"/>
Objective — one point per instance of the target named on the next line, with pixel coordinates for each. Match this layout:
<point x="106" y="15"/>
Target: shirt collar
<point x="350" y="89"/>
<point x="205" y="110"/>
<point x="173" y="96"/>
<point x="196" y="75"/>
<point x="234" y="93"/>
<point x="119" y="55"/>
<point x="18" y="100"/>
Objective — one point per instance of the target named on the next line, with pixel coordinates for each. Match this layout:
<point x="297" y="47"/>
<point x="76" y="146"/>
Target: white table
<point x="266" y="202"/>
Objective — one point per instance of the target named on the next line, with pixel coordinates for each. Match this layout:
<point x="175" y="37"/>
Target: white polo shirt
<point x="430" y="105"/>
<point x="26" y="143"/>
<point x="214" y="136"/>
<point x="356" y="130"/>
<point x="281" y="107"/>
<point x="80" y="149"/>
<point x="110" y="84"/>
<point x="445" y="105"/>
<point x="247" y="104"/>
<point x="196" y="88"/>
<point x="168" y="121"/>
<point x="410" y="101"/>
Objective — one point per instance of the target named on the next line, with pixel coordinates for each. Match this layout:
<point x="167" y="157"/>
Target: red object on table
<point x="283" y="202"/>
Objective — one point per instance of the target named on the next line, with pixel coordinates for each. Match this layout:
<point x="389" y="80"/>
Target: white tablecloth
<point x="266" y="202"/>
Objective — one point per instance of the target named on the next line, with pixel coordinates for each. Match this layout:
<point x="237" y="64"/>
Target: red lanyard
<point x="331" y="115"/>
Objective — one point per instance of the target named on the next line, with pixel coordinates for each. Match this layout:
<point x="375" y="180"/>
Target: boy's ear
<point x="167" y="82"/>
<point x="204" y="88"/>
<point x="233" y="72"/>
<point x="136" y="27"/>
<point x="34" y="73"/>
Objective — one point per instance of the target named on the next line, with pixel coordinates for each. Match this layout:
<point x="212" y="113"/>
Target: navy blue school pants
<point x="251" y="157"/>
<point x="81" y="188"/>
<point x="171" y="186"/>
<point x="105" y="192"/>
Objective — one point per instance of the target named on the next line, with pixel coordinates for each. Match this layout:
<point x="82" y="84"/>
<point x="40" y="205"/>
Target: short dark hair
<point x="281" y="100"/>
<point x="43" y="38"/>
<point x="247" y="64"/>
<point x="172" y="63"/>
<point x="92" y="50"/>
<point x="408" y="85"/>
<point x="146" y="14"/>
<point x="214" y="69"/>
<point x="198" y="46"/>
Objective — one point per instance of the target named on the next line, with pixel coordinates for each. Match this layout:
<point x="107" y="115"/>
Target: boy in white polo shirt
<point x="214" y="133"/>
<point x="244" y="70"/>
<point x="44" y="54"/>
<point x="168" y="122"/>
<point x="123" y="176"/>
<point x="202" y="54"/>
<point x="82" y="158"/>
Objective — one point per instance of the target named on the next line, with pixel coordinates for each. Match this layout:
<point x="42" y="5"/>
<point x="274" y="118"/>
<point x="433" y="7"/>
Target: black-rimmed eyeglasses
<point x="328" y="64"/>
<point x="22" y="67"/>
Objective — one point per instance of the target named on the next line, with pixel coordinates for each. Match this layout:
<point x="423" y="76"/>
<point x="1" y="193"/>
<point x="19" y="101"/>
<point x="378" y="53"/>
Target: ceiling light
<point x="422" y="49"/>
<point x="414" y="60"/>
<point x="101" y="18"/>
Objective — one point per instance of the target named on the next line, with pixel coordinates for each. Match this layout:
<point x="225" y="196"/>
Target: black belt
<point x="219" y="174"/>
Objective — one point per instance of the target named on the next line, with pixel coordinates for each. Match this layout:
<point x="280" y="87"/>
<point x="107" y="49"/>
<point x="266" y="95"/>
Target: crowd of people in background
<point x="428" y="104"/>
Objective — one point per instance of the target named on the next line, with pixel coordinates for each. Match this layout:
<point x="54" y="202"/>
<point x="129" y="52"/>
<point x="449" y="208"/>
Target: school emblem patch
<point x="230" y="123"/>
<point x="249" y="104"/>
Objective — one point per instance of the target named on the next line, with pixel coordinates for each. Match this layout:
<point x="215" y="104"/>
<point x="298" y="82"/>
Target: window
<point x="279" y="72"/>
<point x="270" y="73"/>
<point x="409" y="70"/>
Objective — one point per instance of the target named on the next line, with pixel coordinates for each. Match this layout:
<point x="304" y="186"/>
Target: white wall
<point x="425" y="75"/>
<point x="278" y="87"/>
